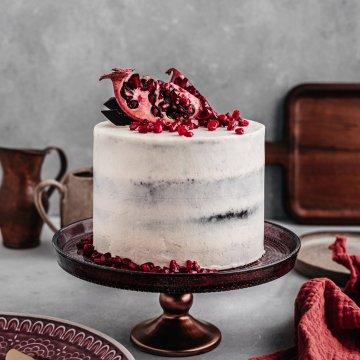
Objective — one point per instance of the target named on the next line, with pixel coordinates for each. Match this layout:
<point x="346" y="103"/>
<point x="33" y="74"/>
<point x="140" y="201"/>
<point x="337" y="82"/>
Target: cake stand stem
<point x="175" y="332"/>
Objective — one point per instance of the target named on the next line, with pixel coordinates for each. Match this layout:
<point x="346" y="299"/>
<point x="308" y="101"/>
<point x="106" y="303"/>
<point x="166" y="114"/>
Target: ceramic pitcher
<point x="76" y="194"/>
<point x="20" y="223"/>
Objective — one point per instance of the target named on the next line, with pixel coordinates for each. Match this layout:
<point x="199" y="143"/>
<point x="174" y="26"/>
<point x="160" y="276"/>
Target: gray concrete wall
<point x="242" y="54"/>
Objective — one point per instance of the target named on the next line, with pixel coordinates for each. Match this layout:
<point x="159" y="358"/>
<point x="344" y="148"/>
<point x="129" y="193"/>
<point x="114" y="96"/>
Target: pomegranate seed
<point x="212" y="125"/>
<point x="156" y="269"/>
<point x="133" y="266"/>
<point x="163" y="105"/>
<point x="144" y="84"/>
<point x="134" y="125"/>
<point x="182" y="129"/>
<point x="196" y="266"/>
<point x="145" y="267"/>
<point x="98" y="260"/>
<point x="152" y="98"/>
<point x="134" y="81"/>
<point x="236" y="115"/>
<point x="190" y="109"/>
<point x="126" y="261"/>
<point x="243" y="122"/>
<point x="143" y="129"/>
<point x="231" y="125"/>
<point x="158" y="128"/>
<point x="166" y="270"/>
<point x="110" y="261"/>
<point x="151" y="85"/>
<point x="173" y="266"/>
<point x="150" y="127"/>
<point x="222" y="117"/>
<point x="88" y="249"/>
<point x="133" y="104"/>
<point x="173" y="126"/>
<point x="189" y="134"/>
<point x="102" y="260"/>
<point x="94" y="255"/>
<point x="189" y="265"/>
<point x="117" y="261"/>
<point x="239" y="131"/>
<point x="184" y="101"/>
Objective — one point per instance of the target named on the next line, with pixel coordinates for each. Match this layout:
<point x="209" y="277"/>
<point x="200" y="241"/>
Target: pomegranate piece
<point x="146" y="98"/>
<point x="181" y="80"/>
<point x="239" y="131"/>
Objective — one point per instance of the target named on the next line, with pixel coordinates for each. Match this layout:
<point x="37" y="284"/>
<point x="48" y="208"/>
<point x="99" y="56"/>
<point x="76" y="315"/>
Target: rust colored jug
<point x="20" y="223"/>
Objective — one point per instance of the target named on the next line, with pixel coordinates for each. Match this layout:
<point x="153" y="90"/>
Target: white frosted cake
<point x="163" y="196"/>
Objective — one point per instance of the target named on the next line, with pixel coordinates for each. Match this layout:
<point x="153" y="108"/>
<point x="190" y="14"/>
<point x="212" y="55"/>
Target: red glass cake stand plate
<point x="176" y="332"/>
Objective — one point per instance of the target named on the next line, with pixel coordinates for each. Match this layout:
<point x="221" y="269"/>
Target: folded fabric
<point x="327" y="320"/>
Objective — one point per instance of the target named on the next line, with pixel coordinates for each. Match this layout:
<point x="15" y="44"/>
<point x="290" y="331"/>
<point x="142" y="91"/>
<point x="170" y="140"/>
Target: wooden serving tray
<point x="320" y="153"/>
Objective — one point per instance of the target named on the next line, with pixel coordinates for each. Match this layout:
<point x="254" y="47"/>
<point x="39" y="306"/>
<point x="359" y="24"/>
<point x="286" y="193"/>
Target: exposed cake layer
<point x="162" y="197"/>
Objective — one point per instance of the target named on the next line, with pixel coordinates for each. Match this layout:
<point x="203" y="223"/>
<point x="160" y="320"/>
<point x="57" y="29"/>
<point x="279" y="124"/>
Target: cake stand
<point x="176" y="332"/>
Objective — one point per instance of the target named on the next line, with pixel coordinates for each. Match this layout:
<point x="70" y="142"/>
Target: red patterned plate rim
<point x="46" y="337"/>
<point x="243" y="269"/>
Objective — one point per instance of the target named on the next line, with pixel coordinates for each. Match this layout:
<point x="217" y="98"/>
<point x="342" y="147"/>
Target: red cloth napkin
<point x="327" y="320"/>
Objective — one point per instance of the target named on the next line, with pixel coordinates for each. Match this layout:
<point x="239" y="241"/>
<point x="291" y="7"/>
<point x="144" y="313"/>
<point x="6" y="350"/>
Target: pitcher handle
<point x="38" y="196"/>
<point x="63" y="166"/>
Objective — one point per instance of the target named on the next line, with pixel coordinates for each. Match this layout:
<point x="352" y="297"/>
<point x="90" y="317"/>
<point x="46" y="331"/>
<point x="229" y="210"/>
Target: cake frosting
<point x="159" y="197"/>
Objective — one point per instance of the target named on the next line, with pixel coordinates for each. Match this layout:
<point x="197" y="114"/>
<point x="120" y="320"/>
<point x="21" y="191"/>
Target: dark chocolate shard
<point x="112" y="104"/>
<point x="117" y="117"/>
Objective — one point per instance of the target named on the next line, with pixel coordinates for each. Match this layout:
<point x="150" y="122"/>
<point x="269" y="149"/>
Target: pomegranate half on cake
<point x="159" y="196"/>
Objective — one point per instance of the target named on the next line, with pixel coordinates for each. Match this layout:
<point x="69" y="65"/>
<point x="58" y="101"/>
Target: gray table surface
<point x="253" y="321"/>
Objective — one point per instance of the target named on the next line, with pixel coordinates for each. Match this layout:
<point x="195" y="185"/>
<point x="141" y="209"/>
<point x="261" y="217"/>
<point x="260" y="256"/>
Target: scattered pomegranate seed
<point x="189" y="265"/>
<point x="243" y="122"/>
<point x="196" y="266"/>
<point x="236" y="115"/>
<point x="239" y="131"/>
<point x="158" y="128"/>
<point x="133" y="266"/>
<point x="126" y="261"/>
<point x="231" y="125"/>
<point x="212" y="125"/>
<point x="145" y="267"/>
<point x="143" y="129"/>
<point x="173" y="266"/>
<point x="134" y="125"/>
<point x="173" y="126"/>
<point x="182" y="130"/>
<point x="86" y="248"/>
<point x="189" y="134"/>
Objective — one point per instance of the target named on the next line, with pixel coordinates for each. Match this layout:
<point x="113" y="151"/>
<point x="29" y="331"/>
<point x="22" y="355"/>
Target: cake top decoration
<point x="149" y="105"/>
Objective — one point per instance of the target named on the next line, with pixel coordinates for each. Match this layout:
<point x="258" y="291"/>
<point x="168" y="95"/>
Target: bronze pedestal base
<point x="175" y="332"/>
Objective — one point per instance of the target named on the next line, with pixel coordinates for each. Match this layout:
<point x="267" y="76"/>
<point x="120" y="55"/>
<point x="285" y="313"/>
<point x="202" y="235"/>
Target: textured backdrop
<point x="241" y="54"/>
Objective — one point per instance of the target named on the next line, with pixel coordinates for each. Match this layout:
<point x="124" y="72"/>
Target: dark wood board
<point x="320" y="153"/>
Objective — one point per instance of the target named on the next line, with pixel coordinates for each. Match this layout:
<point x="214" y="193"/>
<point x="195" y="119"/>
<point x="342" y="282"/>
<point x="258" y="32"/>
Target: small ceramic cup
<point x="76" y="197"/>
